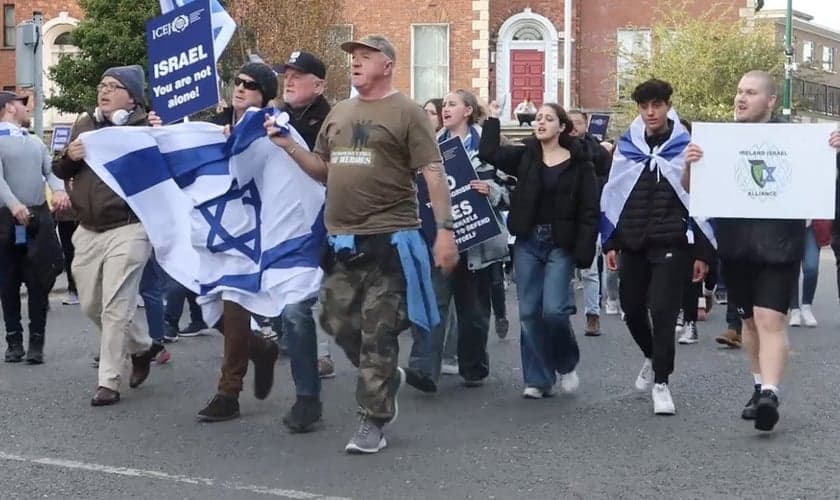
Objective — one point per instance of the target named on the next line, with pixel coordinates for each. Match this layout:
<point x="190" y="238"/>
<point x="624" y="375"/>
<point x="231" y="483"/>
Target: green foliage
<point x="112" y="33"/>
<point x="703" y="58"/>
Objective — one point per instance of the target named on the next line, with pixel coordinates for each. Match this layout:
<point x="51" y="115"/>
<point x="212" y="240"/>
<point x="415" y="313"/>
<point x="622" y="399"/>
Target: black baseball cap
<point x="306" y="63"/>
<point x="7" y="96"/>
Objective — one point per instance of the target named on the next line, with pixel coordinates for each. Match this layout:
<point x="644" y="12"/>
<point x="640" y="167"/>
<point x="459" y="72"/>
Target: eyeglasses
<point x="247" y="84"/>
<point x="110" y="87"/>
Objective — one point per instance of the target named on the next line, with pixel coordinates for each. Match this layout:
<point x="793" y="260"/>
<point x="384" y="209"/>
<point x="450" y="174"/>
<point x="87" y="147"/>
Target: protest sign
<point x="474" y="218"/>
<point x="598" y="125"/>
<point x="182" y="68"/>
<point x="764" y="171"/>
<point x="60" y="137"/>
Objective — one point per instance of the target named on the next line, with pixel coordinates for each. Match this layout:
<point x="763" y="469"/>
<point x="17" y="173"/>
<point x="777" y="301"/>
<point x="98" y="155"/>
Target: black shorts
<point x="758" y="284"/>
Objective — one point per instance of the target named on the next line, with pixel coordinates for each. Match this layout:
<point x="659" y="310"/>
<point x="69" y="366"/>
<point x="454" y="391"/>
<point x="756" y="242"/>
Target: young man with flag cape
<point x="647" y="234"/>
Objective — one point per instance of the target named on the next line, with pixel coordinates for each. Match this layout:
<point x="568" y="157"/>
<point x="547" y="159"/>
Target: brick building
<point x="60" y="17"/>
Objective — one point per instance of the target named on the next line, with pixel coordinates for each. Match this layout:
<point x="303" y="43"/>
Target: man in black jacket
<point x="651" y="235"/>
<point x="760" y="264"/>
<point x="303" y="99"/>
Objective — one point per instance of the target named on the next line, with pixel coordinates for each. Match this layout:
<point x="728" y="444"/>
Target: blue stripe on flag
<point x="303" y="251"/>
<point x="247" y="131"/>
<point x="187" y="164"/>
<point x="139" y="170"/>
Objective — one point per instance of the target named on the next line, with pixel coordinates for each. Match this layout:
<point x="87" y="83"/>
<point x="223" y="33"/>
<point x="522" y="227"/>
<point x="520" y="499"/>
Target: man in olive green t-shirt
<point x="368" y="152"/>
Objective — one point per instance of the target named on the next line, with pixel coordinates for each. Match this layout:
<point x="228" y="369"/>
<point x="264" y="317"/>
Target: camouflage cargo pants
<point x="364" y="309"/>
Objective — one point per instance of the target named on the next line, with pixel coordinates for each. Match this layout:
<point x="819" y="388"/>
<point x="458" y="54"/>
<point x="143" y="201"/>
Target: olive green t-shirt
<point x="374" y="150"/>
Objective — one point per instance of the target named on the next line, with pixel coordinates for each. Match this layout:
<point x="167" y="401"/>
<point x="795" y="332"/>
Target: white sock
<point x="768" y="387"/>
<point x="757" y="378"/>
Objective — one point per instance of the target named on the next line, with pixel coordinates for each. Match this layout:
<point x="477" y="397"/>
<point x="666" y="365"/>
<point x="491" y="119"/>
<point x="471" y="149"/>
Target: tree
<point x="111" y="34"/>
<point x="273" y="29"/>
<point x="703" y="58"/>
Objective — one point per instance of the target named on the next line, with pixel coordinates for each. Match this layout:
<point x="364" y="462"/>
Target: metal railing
<point x="817" y="97"/>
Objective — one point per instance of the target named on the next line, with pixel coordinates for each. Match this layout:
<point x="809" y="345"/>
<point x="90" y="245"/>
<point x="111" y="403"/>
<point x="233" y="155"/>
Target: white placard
<point x="764" y="171"/>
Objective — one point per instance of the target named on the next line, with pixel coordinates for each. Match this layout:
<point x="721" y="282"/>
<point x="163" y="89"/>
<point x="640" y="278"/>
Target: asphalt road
<point x="483" y="443"/>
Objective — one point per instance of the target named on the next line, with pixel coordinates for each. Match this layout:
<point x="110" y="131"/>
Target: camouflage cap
<point x="376" y="42"/>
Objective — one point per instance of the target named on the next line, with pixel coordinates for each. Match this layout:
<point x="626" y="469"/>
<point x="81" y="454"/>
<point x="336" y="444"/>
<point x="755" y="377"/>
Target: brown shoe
<point x="104" y="397"/>
<point x="140" y="367"/>
<point x="326" y="367"/>
<point x="730" y="338"/>
<point x="593" y="325"/>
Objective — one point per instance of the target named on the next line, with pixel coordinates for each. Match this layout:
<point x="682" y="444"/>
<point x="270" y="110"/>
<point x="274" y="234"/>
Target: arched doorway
<point x="526" y="61"/>
<point x="58" y="41"/>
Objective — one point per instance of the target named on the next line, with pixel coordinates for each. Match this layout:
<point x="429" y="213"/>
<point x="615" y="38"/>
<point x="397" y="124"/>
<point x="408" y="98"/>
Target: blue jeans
<point x="810" y="271"/>
<point x="427" y="350"/>
<point x="543" y="277"/>
<point x="151" y="289"/>
<point x="592" y="286"/>
<point x="302" y="341"/>
<point x="176" y="294"/>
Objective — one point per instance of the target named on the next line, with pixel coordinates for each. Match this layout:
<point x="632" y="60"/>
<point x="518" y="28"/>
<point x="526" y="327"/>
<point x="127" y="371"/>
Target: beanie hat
<point x="264" y="76"/>
<point x="133" y="78"/>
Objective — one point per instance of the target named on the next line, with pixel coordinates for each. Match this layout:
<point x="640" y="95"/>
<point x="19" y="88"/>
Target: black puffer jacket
<point x="574" y="225"/>
<point x="654" y="216"/>
<point x="601" y="158"/>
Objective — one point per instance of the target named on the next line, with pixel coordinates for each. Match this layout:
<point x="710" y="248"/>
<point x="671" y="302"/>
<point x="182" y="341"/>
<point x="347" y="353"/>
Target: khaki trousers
<point x="107" y="268"/>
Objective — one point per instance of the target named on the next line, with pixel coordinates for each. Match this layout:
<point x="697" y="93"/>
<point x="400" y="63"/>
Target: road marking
<point x="163" y="476"/>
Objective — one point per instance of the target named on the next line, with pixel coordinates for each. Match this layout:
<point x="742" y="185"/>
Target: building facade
<point x="60" y="18"/>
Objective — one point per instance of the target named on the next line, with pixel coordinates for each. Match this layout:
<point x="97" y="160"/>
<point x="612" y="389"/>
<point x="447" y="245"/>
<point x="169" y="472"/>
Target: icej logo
<point x="763" y="171"/>
<point x="177" y="25"/>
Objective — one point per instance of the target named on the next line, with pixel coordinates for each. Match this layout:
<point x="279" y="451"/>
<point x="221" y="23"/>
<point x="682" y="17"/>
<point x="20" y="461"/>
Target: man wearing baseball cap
<point x="303" y="99"/>
<point x="377" y="278"/>
<point x="29" y="250"/>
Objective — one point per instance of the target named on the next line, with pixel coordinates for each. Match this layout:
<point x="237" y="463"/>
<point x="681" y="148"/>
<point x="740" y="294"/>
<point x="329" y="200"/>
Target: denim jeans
<point x="176" y="294"/>
<point x="427" y="349"/>
<point x="592" y="286"/>
<point x="302" y="342"/>
<point x="543" y="277"/>
<point x="151" y="289"/>
<point x="810" y="271"/>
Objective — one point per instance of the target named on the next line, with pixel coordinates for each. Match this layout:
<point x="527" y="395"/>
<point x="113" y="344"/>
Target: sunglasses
<point x="247" y="84"/>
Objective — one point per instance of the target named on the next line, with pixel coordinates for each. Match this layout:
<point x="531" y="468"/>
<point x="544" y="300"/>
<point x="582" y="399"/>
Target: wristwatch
<point x="448" y="224"/>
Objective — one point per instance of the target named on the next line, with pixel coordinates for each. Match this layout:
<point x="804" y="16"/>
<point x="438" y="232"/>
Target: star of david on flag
<point x="229" y="218"/>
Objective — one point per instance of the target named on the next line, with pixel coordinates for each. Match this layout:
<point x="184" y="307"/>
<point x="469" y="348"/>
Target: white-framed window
<point x="828" y="59"/>
<point x="8" y="25"/>
<point x="631" y="44"/>
<point x="429" y="61"/>
<point x="808" y="48"/>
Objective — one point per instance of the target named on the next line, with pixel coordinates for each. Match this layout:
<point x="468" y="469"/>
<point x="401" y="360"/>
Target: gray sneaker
<point x="368" y="439"/>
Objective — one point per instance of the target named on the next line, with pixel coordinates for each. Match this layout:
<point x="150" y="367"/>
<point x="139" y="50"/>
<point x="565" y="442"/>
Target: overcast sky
<point x="825" y="12"/>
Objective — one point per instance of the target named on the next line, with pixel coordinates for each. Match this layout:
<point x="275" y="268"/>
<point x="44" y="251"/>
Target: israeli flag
<point x="631" y="157"/>
<point x="231" y="219"/>
<point x="223" y="25"/>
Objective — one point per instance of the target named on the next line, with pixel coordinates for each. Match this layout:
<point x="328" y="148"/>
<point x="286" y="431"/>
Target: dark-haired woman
<point x="554" y="216"/>
<point x="434" y="110"/>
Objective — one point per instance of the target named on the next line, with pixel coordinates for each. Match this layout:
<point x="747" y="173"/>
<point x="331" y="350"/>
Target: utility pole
<point x="38" y="109"/>
<point x="786" y="96"/>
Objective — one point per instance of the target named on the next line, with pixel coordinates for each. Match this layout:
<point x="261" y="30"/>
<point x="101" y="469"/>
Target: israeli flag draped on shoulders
<point x="230" y="218"/>
<point x="12" y="130"/>
<point x="631" y="157"/>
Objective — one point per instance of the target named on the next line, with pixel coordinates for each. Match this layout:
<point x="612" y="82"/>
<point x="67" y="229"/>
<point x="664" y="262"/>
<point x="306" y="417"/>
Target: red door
<point x="527" y="77"/>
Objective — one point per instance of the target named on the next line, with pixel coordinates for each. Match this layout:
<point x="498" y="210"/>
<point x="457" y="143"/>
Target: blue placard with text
<point x="60" y="137"/>
<point x="474" y="218"/>
<point x="598" y="125"/>
<point x="182" y="68"/>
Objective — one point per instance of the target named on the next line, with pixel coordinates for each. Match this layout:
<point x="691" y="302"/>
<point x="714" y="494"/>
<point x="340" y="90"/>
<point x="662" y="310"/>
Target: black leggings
<point x="66" y="228"/>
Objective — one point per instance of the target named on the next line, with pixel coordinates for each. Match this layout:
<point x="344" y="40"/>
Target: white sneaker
<point x="448" y="368"/>
<point x="795" y="317"/>
<point x="611" y="307"/>
<point x="808" y="316"/>
<point x="689" y="335"/>
<point x="570" y="382"/>
<point x="71" y="299"/>
<point x="680" y="322"/>
<point x="532" y="393"/>
<point x="645" y="377"/>
<point x="663" y="404"/>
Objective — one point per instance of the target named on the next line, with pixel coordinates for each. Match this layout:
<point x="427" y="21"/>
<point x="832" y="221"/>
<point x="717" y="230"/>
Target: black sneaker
<point x="170" y="334"/>
<point x="15" y="352"/>
<point x="304" y="415"/>
<point x="767" y="411"/>
<point x="219" y="409"/>
<point x="264" y="354"/>
<point x="194" y="329"/>
<point x="748" y="412"/>
<point x="419" y="380"/>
